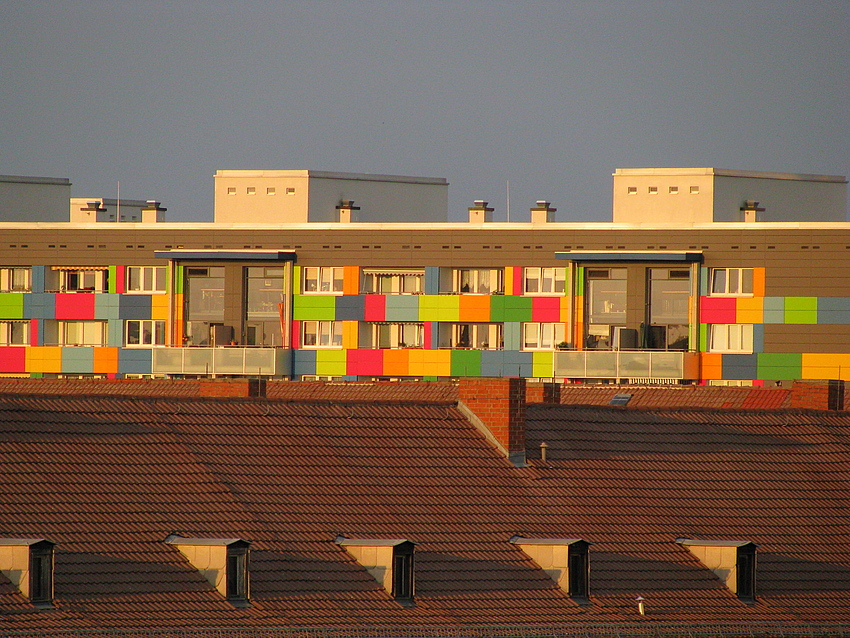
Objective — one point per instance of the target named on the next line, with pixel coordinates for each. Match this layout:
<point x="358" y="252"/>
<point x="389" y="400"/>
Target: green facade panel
<point x="780" y="365"/>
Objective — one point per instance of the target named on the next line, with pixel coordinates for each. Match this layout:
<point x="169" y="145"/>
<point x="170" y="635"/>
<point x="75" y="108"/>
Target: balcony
<point x="627" y="364"/>
<point x="267" y="362"/>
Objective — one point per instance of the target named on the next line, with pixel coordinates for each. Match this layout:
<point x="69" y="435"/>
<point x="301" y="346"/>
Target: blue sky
<point x="551" y="96"/>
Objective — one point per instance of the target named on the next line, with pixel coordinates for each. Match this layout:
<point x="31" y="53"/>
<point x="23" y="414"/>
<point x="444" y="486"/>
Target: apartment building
<point x="742" y="303"/>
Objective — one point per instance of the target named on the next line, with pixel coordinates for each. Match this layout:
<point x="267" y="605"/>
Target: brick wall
<point x="500" y="404"/>
<point x="537" y="392"/>
<point x="818" y="395"/>
<point x="233" y="388"/>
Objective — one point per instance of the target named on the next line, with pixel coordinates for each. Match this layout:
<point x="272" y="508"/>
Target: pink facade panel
<point x="13" y="359"/>
<point x="546" y="309"/>
<point x="75" y="305"/>
<point x="365" y="362"/>
<point x="717" y="310"/>
<point x="376" y="308"/>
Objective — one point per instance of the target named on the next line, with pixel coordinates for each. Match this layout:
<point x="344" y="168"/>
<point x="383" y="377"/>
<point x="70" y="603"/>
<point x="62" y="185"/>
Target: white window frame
<point x="321" y="335"/>
<point x="328" y="280"/>
<point x="728" y="282"/>
<point x="406" y="334"/>
<point x="556" y="278"/>
<point x="394" y="281"/>
<point x="8" y="275"/>
<point x="481" y="281"/>
<point x="542" y="336"/>
<point x="98" y="279"/>
<point x="734" y="338"/>
<point x="154" y="328"/>
<point x="93" y="333"/>
<point x="8" y="334"/>
<point x="148" y="277"/>
<point x="482" y="336"/>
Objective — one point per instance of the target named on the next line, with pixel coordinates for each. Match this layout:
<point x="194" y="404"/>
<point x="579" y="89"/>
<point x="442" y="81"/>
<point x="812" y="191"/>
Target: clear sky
<point x="552" y="96"/>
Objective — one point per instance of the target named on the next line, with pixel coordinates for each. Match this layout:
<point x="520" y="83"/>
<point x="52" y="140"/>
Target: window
<point x="578" y="566"/>
<point x="694" y="190"/>
<point x="271" y="190"/>
<point x="472" y="336"/>
<point x="632" y="190"/>
<point x="746" y="573"/>
<point x="653" y="190"/>
<point x="544" y="281"/>
<point x="732" y="281"/>
<point x="673" y="190"/>
<point x="237" y="573"/>
<point x="290" y="191"/>
<point x="265" y="292"/>
<point x="403" y="572"/>
<point x="14" y="333"/>
<point x="606" y="295"/>
<point x="391" y="335"/>
<point x="731" y="337"/>
<point x="205" y="295"/>
<point x="251" y="190"/>
<point x="542" y="336"/>
<point x="146" y="279"/>
<point x="83" y="280"/>
<point x="15" y="279"/>
<point x="323" y="280"/>
<point x="321" y="334"/>
<point x="482" y="281"/>
<point x="669" y="299"/>
<point x="41" y="573"/>
<point x="231" y="190"/>
<point x="393" y="282"/>
<point x="145" y="332"/>
<point x="82" y="333"/>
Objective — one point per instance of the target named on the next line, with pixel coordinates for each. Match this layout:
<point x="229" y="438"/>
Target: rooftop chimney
<point x="751" y="210"/>
<point x="346" y="210"/>
<point x="480" y="213"/>
<point x="496" y="406"/>
<point x="543" y="213"/>
<point x="153" y="212"/>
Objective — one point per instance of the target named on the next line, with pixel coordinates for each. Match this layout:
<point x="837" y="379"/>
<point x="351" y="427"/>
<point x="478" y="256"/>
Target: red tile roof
<point x="679" y="396"/>
<point x="108" y="478"/>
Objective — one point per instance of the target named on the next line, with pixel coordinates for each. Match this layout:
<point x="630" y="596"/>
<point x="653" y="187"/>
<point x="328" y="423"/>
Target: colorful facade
<point x="730" y="303"/>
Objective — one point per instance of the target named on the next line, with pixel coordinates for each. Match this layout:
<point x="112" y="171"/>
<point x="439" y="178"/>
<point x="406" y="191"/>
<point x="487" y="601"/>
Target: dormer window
<point x="223" y="562"/>
<point x="565" y="560"/>
<point x="28" y="564"/>
<point x="733" y="562"/>
<point x="389" y="561"/>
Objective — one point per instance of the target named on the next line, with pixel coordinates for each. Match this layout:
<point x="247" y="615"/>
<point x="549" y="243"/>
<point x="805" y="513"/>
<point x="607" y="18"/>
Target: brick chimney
<point x="233" y="388"/>
<point x="818" y="395"/>
<point x="547" y="392"/>
<point x="497" y="408"/>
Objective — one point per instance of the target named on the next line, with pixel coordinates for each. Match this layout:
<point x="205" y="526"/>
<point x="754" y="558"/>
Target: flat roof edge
<point x="367" y="177"/>
<point x="24" y="179"/>
<point x="724" y="172"/>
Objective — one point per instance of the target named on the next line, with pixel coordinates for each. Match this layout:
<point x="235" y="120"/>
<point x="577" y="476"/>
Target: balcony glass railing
<point x="627" y="364"/>
<point x="215" y="361"/>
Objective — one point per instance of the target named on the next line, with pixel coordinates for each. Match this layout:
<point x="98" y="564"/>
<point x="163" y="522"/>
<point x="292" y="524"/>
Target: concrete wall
<point x="34" y="199"/>
<point x="703" y="195"/>
<point x="314" y="197"/>
<point x="785" y="199"/>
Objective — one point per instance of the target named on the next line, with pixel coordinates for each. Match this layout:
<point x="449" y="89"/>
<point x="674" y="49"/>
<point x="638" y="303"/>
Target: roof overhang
<point x="687" y="257"/>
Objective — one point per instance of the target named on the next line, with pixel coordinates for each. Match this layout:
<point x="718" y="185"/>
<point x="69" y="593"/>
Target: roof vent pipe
<point x="641" y="607"/>
<point x="543" y="449"/>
